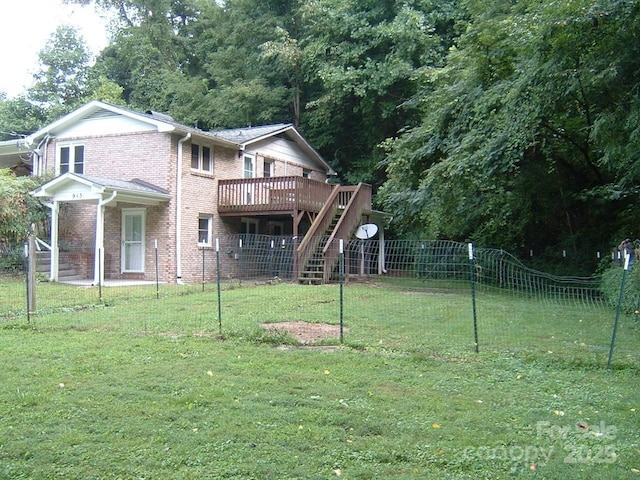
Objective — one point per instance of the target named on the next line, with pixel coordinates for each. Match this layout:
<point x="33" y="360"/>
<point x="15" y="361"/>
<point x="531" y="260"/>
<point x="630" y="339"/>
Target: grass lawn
<point x="149" y="390"/>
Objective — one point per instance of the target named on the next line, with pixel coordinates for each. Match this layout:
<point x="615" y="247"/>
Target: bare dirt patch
<point x="305" y="333"/>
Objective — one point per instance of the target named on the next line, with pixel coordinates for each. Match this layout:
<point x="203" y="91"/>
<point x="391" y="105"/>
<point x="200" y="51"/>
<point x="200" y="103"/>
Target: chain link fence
<point x="421" y="297"/>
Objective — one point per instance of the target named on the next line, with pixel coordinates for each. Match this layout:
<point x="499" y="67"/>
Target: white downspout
<point x="41" y="154"/>
<point x="179" y="210"/>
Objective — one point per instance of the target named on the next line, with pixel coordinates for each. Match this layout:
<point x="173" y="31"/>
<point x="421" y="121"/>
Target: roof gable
<point x="247" y="136"/>
<point x="100" y="118"/>
<point x="72" y="187"/>
<point x="96" y="110"/>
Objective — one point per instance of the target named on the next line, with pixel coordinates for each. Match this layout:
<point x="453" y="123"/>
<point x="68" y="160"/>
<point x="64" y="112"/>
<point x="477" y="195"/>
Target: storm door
<point x="133" y="240"/>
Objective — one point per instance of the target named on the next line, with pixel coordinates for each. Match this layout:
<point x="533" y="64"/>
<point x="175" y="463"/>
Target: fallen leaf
<point x="436" y="425"/>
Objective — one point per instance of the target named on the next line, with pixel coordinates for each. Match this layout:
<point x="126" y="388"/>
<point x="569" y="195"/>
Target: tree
<point x="18" y="209"/>
<point x="527" y="134"/>
<point x="361" y="60"/>
<point x="19" y="117"/>
<point x="62" y="78"/>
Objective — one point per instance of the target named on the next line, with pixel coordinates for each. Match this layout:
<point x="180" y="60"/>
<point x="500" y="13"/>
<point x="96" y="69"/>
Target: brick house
<point x="127" y="183"/>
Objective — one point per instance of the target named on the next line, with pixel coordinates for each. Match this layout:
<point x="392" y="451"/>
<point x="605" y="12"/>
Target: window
<point x="71" y="159"/>
<point x="276" y="228"/>
<point x="306" y="173"/>
<point x="249" y="226"/>
<point x="268" y="169"/>
<point x="247" y="171"/>
<point x="201" y="158"/>
<point x="205" y="229"/>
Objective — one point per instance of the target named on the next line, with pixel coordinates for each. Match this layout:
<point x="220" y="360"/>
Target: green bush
<point x="612" y="281"/>
<point x="11" y="260"/>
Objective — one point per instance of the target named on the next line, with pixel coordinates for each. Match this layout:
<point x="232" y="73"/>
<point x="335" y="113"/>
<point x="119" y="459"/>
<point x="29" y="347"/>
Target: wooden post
<point x="31" y="273"/>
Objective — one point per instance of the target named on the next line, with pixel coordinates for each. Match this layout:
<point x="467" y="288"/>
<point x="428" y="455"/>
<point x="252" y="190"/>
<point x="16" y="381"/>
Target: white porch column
<point x="98" y="267"/>
<point x="382" y="268"/>
<point x="98" y="257"/>
<point x="55" y="255"/>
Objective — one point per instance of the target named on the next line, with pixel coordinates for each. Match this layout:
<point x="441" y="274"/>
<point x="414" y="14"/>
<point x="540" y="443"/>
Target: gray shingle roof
<point x="246" y="134"/>
<point x="134" y="186"/>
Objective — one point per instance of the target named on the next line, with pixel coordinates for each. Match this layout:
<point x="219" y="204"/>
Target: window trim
<point x="71" y="166"/>
<point x="201" y="158"/>
<point x="209" y="218"/>
<point x="252" y="160"/>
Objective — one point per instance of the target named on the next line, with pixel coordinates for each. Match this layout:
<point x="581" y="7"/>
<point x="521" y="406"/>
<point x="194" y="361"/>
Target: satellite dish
<point x="366" y="231"/>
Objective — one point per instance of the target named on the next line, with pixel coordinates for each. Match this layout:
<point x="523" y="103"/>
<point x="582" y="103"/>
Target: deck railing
<point x="273" y="194"/>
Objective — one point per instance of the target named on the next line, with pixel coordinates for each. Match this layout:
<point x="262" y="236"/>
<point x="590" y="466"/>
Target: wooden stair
<point x="66" y="271"/>
<point x="318" y="254"/>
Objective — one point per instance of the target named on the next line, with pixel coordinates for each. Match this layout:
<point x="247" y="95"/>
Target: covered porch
<point x="71" y="188"/>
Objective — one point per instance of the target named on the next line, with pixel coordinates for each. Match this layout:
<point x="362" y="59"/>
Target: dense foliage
<point x="528" y="137"/>
<point x="18" y="210"/>
<point x="514" y="123"/>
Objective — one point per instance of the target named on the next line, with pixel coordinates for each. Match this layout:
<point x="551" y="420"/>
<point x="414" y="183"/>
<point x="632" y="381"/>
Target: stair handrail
<point x="41" y="243"/>
<point x="322" y="221"/>
<point x="346" y="225"/>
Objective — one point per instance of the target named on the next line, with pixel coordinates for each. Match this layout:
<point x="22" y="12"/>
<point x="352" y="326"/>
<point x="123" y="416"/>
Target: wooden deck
<point x="274" y="195"/>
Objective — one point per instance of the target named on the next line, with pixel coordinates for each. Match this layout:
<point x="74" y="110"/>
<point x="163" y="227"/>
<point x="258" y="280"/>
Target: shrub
<point x="612" y="280"/>
<point x="11" y="259"/>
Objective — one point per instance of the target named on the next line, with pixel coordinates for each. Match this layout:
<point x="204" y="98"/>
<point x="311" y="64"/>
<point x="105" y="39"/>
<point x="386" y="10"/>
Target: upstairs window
<point x="71" y="159"/>
<point x="248" y="168"/>
<point x="201" y="158"/>
<point x="306" y="173"/>
<point x="268" y="169"/>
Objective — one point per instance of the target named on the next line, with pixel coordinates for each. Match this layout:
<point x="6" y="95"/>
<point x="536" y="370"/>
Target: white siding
<point x="285" y="150"/>
<point x="106" y="125"/>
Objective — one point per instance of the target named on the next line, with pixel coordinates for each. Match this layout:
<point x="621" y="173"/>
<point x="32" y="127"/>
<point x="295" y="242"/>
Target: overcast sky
<point x="26" y="28"/>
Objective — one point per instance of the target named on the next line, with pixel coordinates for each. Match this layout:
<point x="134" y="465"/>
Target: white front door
<point x="133" y="220"/>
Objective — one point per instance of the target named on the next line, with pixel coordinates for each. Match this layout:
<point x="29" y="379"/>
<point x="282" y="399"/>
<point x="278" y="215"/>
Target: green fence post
<point x="341" y="275"/>
<point x="473" y="295"/>
<point x="240" y="261"/>
<point x="627" y="262"/>
<point x="27" y="281"/>
<point x="219" y="296"/>
<point x="203" y="268"/>
<point x="155" y="246"/>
